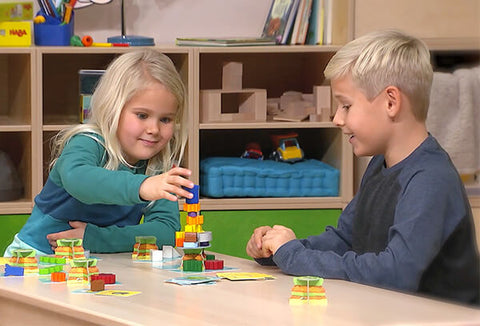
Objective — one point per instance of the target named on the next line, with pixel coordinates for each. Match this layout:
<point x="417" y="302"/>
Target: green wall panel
<point x="9" y="226"/>
<point x="231" y="230"/>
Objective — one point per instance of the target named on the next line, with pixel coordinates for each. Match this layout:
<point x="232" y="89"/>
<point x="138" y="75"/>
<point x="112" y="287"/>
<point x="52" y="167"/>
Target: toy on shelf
<point x="81" y="270"/>
<point x="233" y="103"/>
<point x="143" y="246"/>
<point x="287" y="148"/>
<point x="308" y="290"/>
<point x="24" y="258"/>
<point x="296" y="106"/>
<point x="253" y="151"/>
<point x="70" y="249"/>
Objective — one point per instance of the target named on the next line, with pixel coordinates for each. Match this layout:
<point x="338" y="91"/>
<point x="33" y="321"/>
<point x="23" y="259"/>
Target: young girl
<point x="106" y="174"/>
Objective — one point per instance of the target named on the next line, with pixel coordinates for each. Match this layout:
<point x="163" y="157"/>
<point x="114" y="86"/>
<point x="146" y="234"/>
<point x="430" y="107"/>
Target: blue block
<point x="13" y="270"/>
<point x="194" y="191"/>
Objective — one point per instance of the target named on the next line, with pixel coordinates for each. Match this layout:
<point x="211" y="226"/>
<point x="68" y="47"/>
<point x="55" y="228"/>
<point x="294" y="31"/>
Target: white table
<point x="28" y="301"/>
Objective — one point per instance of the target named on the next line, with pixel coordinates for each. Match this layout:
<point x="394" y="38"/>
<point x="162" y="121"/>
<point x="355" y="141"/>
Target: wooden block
<point x="97" y="285"/>
<point x="232" y="76"/>
<point x="234" y="106"/>
<point x="322" y="98"/>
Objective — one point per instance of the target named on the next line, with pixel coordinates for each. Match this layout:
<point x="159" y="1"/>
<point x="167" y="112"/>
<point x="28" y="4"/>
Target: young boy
<point x="410" y="225"/>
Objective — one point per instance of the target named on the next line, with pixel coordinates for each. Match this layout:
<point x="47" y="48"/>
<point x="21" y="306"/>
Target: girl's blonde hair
<point x="124" y="77"/>
<point x="387" y="58"/>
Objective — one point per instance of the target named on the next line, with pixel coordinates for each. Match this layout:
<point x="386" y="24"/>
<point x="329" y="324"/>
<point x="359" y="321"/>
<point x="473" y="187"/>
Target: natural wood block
<point x="232" y="76"/>
<point x="322" y="98"/>
<point x="241" y="105"/>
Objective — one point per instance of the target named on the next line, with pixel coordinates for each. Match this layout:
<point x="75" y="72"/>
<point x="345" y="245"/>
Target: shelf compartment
<point x="277" y="72"/>
<point x="325" y="144"/>
<point x="15" y="91"/>
<point x="18" y="146"/>
<point x="60" y="81"/>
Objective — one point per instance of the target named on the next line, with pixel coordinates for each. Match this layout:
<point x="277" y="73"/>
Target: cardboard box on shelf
<point x="15" y="33"/>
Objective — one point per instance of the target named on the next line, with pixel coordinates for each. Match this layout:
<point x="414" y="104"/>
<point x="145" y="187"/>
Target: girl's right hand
<point x="167" y="185"/>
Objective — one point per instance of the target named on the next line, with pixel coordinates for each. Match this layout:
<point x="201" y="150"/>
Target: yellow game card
<point x="243" y="276"/>
<point x="118" y="293"/>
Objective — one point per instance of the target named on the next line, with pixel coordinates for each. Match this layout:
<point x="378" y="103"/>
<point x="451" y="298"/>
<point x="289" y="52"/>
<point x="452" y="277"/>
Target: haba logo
<point x="18" y="32"/>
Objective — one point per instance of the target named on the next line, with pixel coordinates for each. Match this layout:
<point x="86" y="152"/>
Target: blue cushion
<point x="240" y="177"/>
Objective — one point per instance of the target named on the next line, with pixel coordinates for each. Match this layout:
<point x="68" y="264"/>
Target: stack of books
<point x="313" y="22"/>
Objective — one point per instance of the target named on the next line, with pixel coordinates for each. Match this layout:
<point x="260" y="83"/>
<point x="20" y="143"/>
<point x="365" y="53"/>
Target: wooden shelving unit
<point x="39" y="96"/>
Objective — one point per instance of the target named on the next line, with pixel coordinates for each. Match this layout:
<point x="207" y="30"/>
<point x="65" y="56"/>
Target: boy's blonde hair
<point x="124" y="77"/>
<point x="387" y="58"/>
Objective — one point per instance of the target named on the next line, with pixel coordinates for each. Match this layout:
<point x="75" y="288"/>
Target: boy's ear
<point x="393" y="96"/>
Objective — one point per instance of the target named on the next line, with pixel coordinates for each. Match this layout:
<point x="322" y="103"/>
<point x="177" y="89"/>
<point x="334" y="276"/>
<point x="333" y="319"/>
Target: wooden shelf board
<point x="15" y="128"/>
<point x="21" y="206"/>
<point x="271" y="203"/>
<point x="8" y="123"/>
<point x="266" y="125"/>
<point x="56" y="127"/>
<point x="270" y="49"/>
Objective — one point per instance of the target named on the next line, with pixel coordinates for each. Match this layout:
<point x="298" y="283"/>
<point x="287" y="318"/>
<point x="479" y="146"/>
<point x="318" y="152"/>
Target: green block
<point x="210" y="257"/>
<point x="308" y="280"/>
<point x="192" y="266"/>
<point x="43" y="271"/>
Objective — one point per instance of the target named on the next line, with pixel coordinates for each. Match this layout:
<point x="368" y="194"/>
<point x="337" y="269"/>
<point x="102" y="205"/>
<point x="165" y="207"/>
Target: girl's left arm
<point x="161" y="220"/>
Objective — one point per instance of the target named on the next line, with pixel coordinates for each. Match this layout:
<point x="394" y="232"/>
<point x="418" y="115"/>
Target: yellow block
<point x="15" y="34"/>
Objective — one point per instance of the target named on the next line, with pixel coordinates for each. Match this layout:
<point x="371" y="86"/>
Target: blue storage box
<point x="238" y="177"/>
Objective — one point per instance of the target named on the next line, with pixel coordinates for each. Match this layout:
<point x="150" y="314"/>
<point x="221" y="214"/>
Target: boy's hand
<point x="77" y="232"/>
<point x="167" y="185"/>
<point x="276" y="237"/>
<point x="254" y="246"/>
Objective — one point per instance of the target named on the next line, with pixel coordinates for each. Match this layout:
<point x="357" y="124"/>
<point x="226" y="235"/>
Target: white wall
<point x="164" y="20"/>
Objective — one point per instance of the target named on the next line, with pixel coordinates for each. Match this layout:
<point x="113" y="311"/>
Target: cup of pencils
<point x="54" y="23"/>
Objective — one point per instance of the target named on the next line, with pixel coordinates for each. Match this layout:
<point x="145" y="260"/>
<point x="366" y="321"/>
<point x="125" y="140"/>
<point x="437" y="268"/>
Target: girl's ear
<point x="393" y="101"/>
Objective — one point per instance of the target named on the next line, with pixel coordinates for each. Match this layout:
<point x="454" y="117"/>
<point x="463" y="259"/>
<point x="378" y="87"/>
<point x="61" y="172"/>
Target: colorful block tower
<point x="143" y="246"/>
<point x="193" y="239"/>
<point x="308" y="290"/>
<point x="24" y="258"/>
<point x="193" y="236"/>
<point x="70" y="249"/>
<point x="81" y="270"/>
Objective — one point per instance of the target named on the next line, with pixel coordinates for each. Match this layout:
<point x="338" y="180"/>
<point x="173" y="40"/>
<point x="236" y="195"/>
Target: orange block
<point x="58" y="277"/>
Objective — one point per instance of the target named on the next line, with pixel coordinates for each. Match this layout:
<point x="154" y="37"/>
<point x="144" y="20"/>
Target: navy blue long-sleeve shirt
<point x="410" y="227"/>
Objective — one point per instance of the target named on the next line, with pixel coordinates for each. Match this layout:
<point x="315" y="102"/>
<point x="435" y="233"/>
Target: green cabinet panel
<point x="9" y="226"/>
<point x="231" y="230"/>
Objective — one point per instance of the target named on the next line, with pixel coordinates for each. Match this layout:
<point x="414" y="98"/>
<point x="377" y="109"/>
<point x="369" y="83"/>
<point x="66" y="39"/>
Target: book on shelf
<point x="226" y="42"/>
<point x="280" y="18"/>
<point x="315" y="26"/>
<point x="298" y="21"/>
<point x="335" y="21"/>
<point x="302" y="34"/>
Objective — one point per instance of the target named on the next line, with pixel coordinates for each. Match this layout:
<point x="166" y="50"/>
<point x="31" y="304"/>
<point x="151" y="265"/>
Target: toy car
<point x="253" y="151"/>
<point x="288" y="149"/>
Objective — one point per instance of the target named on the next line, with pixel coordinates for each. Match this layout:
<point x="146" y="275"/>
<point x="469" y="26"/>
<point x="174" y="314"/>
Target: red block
<point x="213" y="264"/>
<point x="108" y="278"/>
